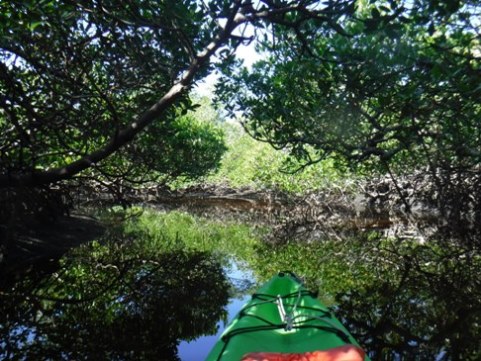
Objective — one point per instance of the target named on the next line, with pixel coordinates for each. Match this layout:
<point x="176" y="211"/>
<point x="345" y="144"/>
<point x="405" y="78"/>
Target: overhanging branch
<point x="125" y="135"/>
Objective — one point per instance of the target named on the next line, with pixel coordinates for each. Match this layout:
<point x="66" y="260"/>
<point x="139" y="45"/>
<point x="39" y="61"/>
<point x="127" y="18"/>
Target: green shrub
<point x="250" y="163"/>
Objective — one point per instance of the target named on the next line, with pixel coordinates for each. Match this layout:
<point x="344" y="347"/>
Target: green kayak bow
<point x="283" y="317"/>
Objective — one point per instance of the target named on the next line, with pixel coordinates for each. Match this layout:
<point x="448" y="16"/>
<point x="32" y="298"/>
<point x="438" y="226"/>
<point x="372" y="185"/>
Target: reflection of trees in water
<point x="105" y="302"/>
<point x="401" y="299"/>
<point x="423" y="301"/>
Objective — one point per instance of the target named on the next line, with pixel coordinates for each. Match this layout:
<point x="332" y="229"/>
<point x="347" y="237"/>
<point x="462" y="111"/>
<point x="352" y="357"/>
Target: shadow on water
<point x="108" y="302"/>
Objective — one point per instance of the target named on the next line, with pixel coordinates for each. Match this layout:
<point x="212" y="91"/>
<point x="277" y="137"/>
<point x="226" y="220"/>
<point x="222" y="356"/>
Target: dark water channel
<point x="403" y="299"/>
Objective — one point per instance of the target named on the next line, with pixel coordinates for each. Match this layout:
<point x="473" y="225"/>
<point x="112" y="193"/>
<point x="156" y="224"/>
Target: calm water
<point x="199" y="348"/>
<point x="401" y="298"/>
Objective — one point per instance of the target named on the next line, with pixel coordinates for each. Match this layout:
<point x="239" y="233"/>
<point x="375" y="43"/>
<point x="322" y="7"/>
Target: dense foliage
<point x="394" y="88"/>
<point x="80" y="80"/>
<point x="75" y="76"/>
<point x="382" y="81"/>
<point x="249" y="163"/>
<point x="399" y="83"/>
<point x="94" y="85"/>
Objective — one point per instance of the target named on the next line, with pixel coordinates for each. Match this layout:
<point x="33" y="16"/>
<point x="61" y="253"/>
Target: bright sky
<point x="247" y="53"/>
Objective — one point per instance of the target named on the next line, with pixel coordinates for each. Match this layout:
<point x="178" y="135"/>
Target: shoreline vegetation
<point x="252" y="185"/>
<point x="255" y="184"/>
<point x="332" y="212"/>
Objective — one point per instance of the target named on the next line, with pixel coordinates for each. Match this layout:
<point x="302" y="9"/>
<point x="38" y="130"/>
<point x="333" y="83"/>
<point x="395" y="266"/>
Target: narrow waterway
<point x="163" y="285"/>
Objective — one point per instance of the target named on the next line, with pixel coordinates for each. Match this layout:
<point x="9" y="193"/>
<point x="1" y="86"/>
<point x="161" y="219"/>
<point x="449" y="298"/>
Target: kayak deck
<point x="281" y="317"/>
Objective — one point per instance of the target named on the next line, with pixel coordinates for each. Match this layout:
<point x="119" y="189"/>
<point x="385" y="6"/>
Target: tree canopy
<point x="400" y="81"/>
<point x="359" y="79"/>
<point x="79" y="80"/>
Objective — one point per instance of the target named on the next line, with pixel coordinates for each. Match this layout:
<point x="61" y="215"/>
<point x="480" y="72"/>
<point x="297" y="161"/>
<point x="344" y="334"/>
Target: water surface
<point x="138" y="296"/>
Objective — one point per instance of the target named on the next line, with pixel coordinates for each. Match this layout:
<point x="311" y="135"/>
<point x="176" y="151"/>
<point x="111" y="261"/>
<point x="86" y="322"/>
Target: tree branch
<point x="126" y="134"/>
